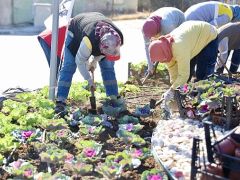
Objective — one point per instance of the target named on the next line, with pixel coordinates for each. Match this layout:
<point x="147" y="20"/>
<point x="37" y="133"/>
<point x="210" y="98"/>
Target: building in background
<point x="22" y="12"/>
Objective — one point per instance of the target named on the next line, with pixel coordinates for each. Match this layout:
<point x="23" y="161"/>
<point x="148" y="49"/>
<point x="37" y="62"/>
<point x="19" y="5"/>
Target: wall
<point x="22" y="12"/>
<point x="6" y="12"/>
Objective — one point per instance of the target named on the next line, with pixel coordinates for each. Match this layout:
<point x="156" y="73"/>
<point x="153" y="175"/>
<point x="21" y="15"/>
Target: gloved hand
<point x="93" y="62"/>
<point x="168" y="95"/>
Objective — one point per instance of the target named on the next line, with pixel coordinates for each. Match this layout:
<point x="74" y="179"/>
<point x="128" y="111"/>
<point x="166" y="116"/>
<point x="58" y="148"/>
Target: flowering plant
<point x="129" y="137"/>
<point x="93" y="120"/>
<point x="27" y="135"/>
<point x="77" y="167"/>
<point x="113" y="106"/>
<point x="54" y="155"/>
<point x="90" y="150"/>
<point x="140" y="153"/>
<point x="131" y="127"/>
<point x="91" y="130"/>
<point x="22" y="169"/>
<point x="153" y="174"/>
<point x="110" y="171"/>
<point x="55" y="124"/>
<point x="144" y="111"/>
<point x="59" y="135"/>
<point x="126" y="119"/>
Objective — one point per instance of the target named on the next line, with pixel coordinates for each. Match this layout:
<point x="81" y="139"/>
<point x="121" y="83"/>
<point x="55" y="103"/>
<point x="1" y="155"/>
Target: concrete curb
<point x="20" y="30"/>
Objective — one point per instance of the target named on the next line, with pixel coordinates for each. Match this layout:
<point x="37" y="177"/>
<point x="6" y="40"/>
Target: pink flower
<point x="129" y="127"/>
<point x="28" y="173"/>
<point x="185" y="88"/>
<point x="69" y="158"/>
<point x="154" y="177"/>
<point x="89" y="152"/>
<point x="137" y="153"/>
<point x="61" y="133"/>
<point x="26" y="134"/>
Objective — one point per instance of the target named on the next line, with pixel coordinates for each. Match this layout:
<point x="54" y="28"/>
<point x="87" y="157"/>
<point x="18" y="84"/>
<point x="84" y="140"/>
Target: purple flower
<point x="129" y="127"/>
<point x="28" y="173"/>
<point x="26" y="134"/>
<point x="17" y="164"/>
<point x="154" y="177"/>
<point x="137" y="153"/>
<point x="89" y="152"/>
<point x="91" y="129"/>
<point x="204" y="108"/>
<point x="185" y="88"/>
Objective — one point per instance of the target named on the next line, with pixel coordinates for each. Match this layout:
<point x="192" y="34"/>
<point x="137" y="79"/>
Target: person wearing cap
<point x="229" y="39"/>
<point x="44" y="39"/>
<point x="89" y="35"/>
<point x="213" y="12"/>
<point x="160" y="22"/>
<point x="192" y="44"/>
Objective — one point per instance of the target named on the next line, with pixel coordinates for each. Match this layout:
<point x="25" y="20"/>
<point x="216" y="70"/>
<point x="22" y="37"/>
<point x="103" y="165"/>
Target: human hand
<point x="168" y="95"/>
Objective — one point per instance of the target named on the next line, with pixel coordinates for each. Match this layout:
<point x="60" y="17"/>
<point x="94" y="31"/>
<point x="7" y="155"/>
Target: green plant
<point x="131" y="127"/>
<point x="126" y="119"/>
<point x="153" y="174"/>
<point x="113" y="106"/>
<point x="93" y="120"/>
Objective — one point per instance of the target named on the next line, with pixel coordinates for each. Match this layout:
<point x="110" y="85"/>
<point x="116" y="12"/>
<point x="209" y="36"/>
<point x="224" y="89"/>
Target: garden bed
<point x="37" y="144"/>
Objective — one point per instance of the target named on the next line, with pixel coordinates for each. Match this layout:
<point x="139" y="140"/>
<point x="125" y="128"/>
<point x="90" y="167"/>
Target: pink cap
<point x="152" y="26"/>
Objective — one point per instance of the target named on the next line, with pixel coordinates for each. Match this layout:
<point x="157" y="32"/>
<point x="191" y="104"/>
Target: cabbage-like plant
<point x="54" y="155"/>
<point x="121" y="158"/>
<point x="153" y="174"/>
<point x="144" y="111"/>
<point x="140" y="153"/>
<point x="91" y="130"/>
<point x="93" y="120"/>
<point x="110" y="171"/>
<point x="59" y="136"/>
<point x="129" y="137"/>
<point x="21" y="169"/>
<point x="113" y="106"/>
<point x="77" y="167"/>
<point x="126" y="119"/>
<point x="1" y="159"/>
<point x="131" y="127"/>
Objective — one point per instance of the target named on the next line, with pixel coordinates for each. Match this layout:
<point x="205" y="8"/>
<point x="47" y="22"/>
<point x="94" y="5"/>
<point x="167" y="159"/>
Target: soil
<point x="152" y="89"/>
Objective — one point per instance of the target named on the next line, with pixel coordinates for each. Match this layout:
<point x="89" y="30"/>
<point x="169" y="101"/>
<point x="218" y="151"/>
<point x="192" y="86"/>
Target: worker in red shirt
<point x="45" y="38"/>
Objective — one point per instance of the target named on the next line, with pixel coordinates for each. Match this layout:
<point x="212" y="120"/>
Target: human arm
<point x="183" y="71"/>
<point x="150" y="64"/>
<point x="220" y="20"/>
<point x="82" y="57"/>
<point x="223" y="52"/>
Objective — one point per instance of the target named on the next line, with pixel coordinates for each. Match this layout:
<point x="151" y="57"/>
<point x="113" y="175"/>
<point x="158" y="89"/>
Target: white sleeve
<point x="149" y="62"/>
<point x="82" y="57"/>
<point x="223" y="52"/>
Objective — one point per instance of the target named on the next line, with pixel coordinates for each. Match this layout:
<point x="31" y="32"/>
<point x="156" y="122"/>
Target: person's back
<point x="193" y="36"/>
<point x="213" y="12"/>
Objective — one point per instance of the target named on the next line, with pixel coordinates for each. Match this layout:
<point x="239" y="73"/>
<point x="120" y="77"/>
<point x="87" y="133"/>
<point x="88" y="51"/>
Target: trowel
<point x="92" y="98"/>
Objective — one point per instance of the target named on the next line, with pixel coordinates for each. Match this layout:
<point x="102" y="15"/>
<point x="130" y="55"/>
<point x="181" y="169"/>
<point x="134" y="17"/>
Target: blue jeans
<point x="47" y="52"/>
<point x="205" y="61"/>
<point x="69" y="67"/>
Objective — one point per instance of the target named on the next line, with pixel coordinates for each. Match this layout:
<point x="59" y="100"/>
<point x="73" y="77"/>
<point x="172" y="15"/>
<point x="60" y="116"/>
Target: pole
<point x="53" y="61"/>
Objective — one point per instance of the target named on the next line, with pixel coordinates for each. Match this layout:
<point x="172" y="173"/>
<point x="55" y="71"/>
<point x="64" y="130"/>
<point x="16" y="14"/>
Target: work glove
<point x="92" y="65"/>
<point x="168" y="95"/>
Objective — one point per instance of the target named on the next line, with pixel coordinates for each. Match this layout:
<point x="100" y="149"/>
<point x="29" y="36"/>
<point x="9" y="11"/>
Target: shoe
<point x="60" y="108"/>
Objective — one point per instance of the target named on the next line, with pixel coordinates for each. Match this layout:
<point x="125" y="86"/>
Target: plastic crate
<point x="230" y="164"/>
<point x="228" y="116"/>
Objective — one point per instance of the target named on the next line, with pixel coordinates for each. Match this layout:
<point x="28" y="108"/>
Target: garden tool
<point x="92" y="98"/>
<point x="149" y="74"/>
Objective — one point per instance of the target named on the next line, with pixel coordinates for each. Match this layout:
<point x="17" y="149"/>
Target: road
<point x="23" y="63"/>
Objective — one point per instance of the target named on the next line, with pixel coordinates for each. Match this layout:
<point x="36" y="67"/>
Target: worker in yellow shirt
<point x="192" y="45"/>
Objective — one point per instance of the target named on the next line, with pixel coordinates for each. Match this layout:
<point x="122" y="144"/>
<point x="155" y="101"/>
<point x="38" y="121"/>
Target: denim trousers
<point x="203" y="64"/>
<point x="69" y="68"/>
<point x="47" y="52"/>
